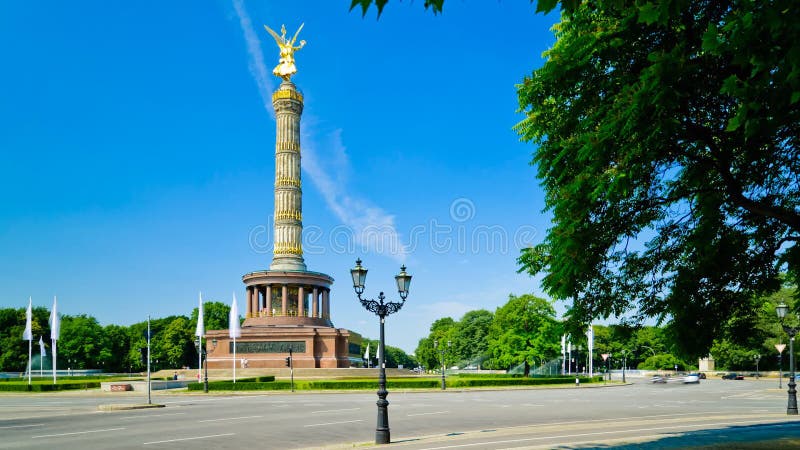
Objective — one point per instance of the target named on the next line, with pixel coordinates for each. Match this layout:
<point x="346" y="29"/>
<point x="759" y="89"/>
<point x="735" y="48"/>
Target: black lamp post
<point x="441" y="354"/>
<point x="381" y="309"/>
<point x="624" y="363"/>
<point x="757" y="357"/>
<point x="782" y="310"/>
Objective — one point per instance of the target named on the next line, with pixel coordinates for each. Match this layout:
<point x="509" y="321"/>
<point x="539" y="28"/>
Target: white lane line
<point x="230" y="418"/>
<point x="76" y="432"/>
<point x="597" y="433"/>
<point x="140" y="416"/>
<point x="23" y="426"/>
<point x="428" y="413"/>
<point x="188" y="439"/>
<point x="335" y="410"/>
<point x="331" y="423"/>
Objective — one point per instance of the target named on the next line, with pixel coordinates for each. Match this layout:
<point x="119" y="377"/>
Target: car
<point x="732" y="376"/>
<point x="658" y="379"/>
<point x="692" y="378"/>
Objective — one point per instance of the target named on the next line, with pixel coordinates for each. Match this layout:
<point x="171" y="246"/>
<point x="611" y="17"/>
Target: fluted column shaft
<point x="288" y="228"/>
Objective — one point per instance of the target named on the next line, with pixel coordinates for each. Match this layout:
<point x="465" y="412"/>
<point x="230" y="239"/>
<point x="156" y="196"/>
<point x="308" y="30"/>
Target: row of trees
<point x="525" y="332"/>
<point x="85" y="344"/>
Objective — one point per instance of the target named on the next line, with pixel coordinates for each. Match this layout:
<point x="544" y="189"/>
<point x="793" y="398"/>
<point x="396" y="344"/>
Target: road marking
<point x="24" y="426"/>
<point x="148" y="416"/>
<point x="230" y="418"/>
<point x="76" y="432"/>
<point x="428" y="413"/>
<point x="189" y="438"/>
<point x="331" y="423"/>
<point x="599" y="433"/>
<point x="335" y="410"/>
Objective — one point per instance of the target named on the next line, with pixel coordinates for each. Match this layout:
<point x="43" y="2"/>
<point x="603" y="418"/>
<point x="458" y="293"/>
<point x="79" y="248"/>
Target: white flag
<point x="234" y="327"/>
<point x="55" y="326"/>
<point x="42" y="351"/>
<point x="201" y="327"/>
<point x="563" y="343"/>
<point x="366" y="354"/>
<point x="27" y="335"/>
<point x="378" y="353"/>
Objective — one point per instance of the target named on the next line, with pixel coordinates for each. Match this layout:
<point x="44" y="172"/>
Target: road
<point x="640" y="415"/>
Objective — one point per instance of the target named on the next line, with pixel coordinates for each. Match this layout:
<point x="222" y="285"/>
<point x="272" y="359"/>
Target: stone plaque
<point x="268" y="347"/>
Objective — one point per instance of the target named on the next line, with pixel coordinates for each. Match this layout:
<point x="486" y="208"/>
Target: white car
<point x="691" y="378"/>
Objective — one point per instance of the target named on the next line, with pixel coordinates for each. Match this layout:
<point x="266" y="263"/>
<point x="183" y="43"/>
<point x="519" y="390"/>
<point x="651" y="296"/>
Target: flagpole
<point x="53" y="342"/>
<point x="30" y="353"/>
<point x="54" y="331"/>
<point x="148" y="359"/>
<point x="199" y="332"/>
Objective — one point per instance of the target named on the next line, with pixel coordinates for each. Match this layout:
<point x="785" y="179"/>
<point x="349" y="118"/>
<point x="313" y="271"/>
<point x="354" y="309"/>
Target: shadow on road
<point x="781" y="435"/>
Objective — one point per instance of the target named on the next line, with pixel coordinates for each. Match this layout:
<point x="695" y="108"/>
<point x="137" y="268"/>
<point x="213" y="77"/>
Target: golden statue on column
<point x="286" y="68"/>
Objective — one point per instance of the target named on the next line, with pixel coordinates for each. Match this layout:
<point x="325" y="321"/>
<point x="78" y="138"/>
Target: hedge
<point x="43" y="387"/>
<point x="397" y="383"/>
<point x="262" y="379"/>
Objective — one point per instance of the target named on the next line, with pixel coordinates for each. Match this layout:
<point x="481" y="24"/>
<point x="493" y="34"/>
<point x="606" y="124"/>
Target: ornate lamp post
<point x="441" y="354"/>
<point x="624" y="363"/>
<point x="782" y="310"/>
<point x="381" y="309"/>
<point x="757" y="357"/>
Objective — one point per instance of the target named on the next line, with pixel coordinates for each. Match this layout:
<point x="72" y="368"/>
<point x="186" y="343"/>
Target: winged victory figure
<point x="286" y="68"/>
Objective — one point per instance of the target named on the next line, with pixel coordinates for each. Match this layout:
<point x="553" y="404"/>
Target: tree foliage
<point x="523" y="329"/>
<point x="667" y="146"/>
<point x="436" y="6"/>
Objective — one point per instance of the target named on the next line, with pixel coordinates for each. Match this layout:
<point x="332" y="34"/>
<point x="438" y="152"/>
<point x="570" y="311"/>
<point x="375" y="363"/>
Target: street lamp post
<point x="782" y="310"/>
<point x="381" y="309"/>
<point x="442" y="354"/>
<point x="757" y="357"/>
<point x="624" y="363"/>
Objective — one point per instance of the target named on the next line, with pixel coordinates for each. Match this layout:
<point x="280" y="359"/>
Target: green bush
<point x="396" y="383"/>
<point x="262" y="379"/>
<point x="483" y="382"/>
<point x="45" y="387"/>
<point x="243" y="386"/>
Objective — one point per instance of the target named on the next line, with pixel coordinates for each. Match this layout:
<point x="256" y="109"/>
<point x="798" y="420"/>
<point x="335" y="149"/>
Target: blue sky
<point x="136" y="154"/>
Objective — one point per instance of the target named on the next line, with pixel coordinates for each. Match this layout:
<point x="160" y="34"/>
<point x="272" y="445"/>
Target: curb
<point x="128" y="406"/>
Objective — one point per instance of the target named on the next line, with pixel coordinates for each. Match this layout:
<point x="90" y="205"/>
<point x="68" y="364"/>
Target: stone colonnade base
<point x="269" y="303"/>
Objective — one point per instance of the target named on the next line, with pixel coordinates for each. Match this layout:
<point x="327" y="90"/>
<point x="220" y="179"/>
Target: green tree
<point x="442" y="330"/>
<point x="215" y="316"/>
<point x="523" y="329"/>
<point x="394" y="356"/>
<point x="119" y="344"/>
<point x="471" y="337"/>
<point x="667" y="141"/>
<point x="664" y="361"/>
<point x="82" y="343"/>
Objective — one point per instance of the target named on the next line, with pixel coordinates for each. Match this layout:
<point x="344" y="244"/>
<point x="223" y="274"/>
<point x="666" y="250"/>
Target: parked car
<point x="693" y="378"/>
<point x="732" y="376"/>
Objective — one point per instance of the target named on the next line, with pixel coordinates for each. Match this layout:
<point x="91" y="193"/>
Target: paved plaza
<point x="640" y="415"/>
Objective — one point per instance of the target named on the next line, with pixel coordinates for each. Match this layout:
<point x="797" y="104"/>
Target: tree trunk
<point x="527" y="368"/>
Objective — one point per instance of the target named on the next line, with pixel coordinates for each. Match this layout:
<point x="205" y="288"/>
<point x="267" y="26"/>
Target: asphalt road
<point x="640" y="415"/>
